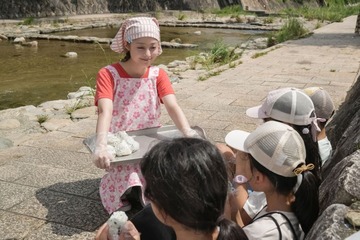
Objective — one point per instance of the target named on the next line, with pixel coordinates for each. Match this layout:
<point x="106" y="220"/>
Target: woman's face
<point x="144" y="50"/>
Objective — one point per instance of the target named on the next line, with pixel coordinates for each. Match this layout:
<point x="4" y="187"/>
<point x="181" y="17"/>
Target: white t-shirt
<point x="255" y="202"/>
<point x="265" y="227"/>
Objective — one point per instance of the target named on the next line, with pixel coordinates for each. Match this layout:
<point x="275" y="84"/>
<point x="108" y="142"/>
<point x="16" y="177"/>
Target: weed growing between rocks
<point x="293" y="29"/>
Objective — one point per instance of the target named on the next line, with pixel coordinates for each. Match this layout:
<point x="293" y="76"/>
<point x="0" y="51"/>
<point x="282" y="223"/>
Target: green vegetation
<point x="42" y="118"/>
<point x="28" y="21"/>
<point x="220" y="53"/>
<point x="229" y="11"/>
<point x="77" y="105"/>
<point x="181" y="16"/>
<point x="293" y="29"/>
<point x="259" y="54"/>
<point x="334" y="11"/>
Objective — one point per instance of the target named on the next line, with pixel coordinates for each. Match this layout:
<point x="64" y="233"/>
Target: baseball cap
<point x="324" y="106"/>
<point x="275" y="145"/>
<point x="134" y="28"/>
<point x="288" y="105"/>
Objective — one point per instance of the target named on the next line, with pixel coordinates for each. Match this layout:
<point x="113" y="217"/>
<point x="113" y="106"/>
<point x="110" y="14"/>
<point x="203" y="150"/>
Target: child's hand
<point x="129" y="232"/>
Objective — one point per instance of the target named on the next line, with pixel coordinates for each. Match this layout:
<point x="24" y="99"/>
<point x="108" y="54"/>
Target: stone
<point x="71" y="55"/>
<point x="19" y="40"/>
<point x="5" y="143"/>
<point x="353" y="217"/>
<point x="7" y="124"/>
<point x="30" y="44"/>
<point x="55" y="123"/>
<point x="330" y="225"/>
<point x="344" y="130"/>
<point x="84" y="112"/>
<point x="344" y="180"/>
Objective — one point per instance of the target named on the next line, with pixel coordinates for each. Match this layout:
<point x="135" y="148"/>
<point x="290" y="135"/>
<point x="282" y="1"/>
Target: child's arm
<point x="177" y="115"/>
<point x="102" y="157"/>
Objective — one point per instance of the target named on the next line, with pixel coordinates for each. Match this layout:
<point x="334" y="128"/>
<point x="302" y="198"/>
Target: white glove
<point x="102" y="154"/>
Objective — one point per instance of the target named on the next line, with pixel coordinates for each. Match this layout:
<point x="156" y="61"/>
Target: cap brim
<point x="256" y="112"/>
<point x="236" y="139"/>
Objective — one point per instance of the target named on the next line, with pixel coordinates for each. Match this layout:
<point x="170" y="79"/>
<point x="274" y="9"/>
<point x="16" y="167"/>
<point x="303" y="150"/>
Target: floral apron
<point x="135" y="106"/>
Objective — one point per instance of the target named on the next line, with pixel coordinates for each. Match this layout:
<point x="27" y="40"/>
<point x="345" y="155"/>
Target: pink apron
<point x="135" y="106"/>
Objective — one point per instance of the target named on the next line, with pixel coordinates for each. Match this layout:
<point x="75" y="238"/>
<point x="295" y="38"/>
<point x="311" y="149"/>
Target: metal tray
<point x="146" y="138"/>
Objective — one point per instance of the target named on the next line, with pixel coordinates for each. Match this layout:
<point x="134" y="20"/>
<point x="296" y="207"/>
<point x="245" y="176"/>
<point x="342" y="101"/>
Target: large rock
<point x="343" y="182"/>
<point x="344" y="129"/>
<point x="331" y="224"/>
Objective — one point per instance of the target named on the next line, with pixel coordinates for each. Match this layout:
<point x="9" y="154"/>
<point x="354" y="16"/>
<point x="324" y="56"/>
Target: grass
<point x="28" y="21"/>
<point x="259" y="54"/>
<point x="335" y="11"/>
<point x="181" y="16"/>
<point x="293" y="29"/>
<point x="42" y="118"/>
<point x="233" y="10"/>
<point x="77" y="105"/>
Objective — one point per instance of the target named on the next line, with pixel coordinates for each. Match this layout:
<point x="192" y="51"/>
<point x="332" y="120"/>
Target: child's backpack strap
<point x="269" y="214"/>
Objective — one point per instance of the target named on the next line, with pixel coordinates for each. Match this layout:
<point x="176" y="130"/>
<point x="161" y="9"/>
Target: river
<point x="30" y="76"/>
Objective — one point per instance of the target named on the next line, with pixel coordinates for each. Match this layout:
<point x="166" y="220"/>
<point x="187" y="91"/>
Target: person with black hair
<point x="275" y="164"/>
<point x="290" y="106"/>
<point x="187" y="186"/>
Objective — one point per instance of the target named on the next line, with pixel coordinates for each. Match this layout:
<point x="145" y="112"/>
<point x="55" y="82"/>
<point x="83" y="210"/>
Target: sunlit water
<point x="30" y="76"/>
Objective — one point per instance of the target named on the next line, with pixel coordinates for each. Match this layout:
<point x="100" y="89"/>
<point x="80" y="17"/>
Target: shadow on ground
<point x="80" y="213"/>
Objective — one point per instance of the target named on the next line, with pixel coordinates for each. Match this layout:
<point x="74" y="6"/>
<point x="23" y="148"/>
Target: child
<point x="275" y="164"/>
<point x="295" y="108"/>
<point x="324" y="109"/>
<point x="128" y="96"/>
<point x="186" y="183"/>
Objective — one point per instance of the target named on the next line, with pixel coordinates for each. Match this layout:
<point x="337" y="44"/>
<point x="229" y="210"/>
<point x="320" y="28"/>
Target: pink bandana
<point x="134" y="28"/>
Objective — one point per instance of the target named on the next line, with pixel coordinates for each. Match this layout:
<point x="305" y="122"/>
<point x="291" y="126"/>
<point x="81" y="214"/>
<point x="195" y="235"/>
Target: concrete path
<point x="49" y="186"/>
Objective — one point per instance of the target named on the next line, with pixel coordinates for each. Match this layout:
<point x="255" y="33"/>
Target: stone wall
<point x="340" y="191"/>
<point x="12" y="9"/>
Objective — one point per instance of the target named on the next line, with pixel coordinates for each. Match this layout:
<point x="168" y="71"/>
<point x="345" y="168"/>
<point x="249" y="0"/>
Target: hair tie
<point x="299" y="179"/>
<point x="315" y="129"/>
<point x="303" y="168"/>
<point x="305" y="131"/>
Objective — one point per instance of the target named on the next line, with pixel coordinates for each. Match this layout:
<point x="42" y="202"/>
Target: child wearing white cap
<point x="128" y="97"/>
<point x="275" y="164"/>
<point x="324" y="109"/>
<point x="293" y="107"/>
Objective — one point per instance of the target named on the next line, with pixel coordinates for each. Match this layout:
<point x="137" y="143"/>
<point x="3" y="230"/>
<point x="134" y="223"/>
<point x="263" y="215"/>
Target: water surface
<point x="30" y="76"/>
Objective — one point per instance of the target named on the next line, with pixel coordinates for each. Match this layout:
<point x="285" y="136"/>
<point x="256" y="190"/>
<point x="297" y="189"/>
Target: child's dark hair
<point x="187" y="179"/>
<point x="312" y="150"/>
<point x="306" y="205"/>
